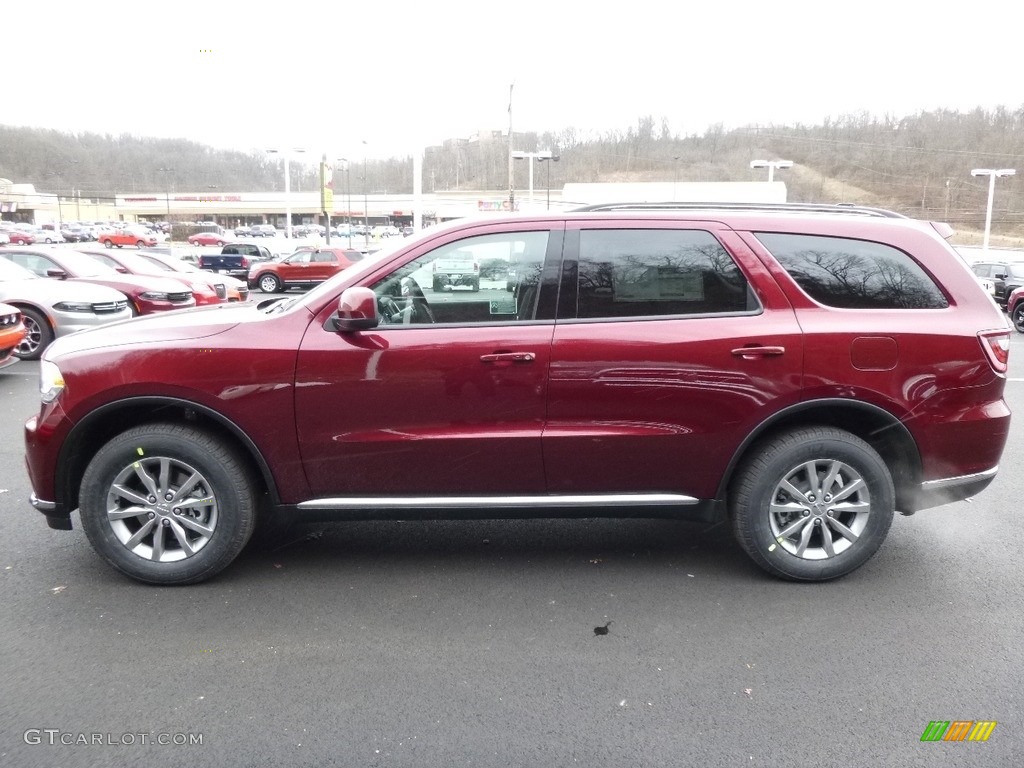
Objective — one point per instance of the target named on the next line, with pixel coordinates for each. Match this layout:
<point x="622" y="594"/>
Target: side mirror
<point x="357" y="310"/>
<point x="58" y="273"/>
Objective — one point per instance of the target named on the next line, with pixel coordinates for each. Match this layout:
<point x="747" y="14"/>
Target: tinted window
<point x="854" y="274"/>
<point x="1015" y="270"/>
<point x="648" y="272"/>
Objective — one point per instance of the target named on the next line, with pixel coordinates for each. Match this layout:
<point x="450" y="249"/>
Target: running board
<point x="500" y="502"/>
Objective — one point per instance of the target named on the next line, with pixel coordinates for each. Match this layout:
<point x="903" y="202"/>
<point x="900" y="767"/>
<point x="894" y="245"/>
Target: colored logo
<point x="958" y="730"/>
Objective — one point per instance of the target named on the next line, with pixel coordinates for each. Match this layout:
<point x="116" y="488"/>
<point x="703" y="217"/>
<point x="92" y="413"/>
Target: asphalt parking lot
<point x="473" y="643"/>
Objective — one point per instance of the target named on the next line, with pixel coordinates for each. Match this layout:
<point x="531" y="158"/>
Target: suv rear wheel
<point x="168" y="504"/>
<point x="812" y="504"/>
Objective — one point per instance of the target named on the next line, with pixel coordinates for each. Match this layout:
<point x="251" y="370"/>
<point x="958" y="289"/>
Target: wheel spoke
<point x="123" y="514"/>
<point x="830" y="477"/>
<point x="165" y="476"/>
<point x="194" y="525"/>
<point x="129" y="494"/>
<point x="857" y="507"/>
<point x="196" y="503"/>
<point x="843" y="531"/>
<point x="805" y="538"/>
<point x="140" y="534"/>
<point x="846" y="492"/>
<point x="147" y="481"/>
<point x="158" y="543"/>
<point x="792" y="490"/>
<point x="793" y="527"/>
<point x="813" y="485"/>
<point x="187" y="486"/>
<point x="826" y="542"/>
<point x="182" y="537"/>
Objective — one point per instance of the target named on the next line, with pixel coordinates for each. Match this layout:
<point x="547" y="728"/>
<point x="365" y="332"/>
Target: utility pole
<point x="511" y="184"/>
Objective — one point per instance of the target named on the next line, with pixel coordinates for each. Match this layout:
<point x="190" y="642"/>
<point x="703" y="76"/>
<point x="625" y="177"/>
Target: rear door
<point x="672" y="343"/>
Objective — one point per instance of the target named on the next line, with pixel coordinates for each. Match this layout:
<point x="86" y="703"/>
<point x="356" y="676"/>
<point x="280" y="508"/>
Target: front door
<point x="446" y="397"/>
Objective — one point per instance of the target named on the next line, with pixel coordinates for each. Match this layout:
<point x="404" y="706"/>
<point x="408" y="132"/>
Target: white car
<point x="52" y="308"/>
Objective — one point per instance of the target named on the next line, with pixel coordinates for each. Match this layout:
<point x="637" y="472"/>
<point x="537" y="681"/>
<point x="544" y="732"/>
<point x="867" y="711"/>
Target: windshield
<point x="87" y="266"/>
<point x="11" y="271"/>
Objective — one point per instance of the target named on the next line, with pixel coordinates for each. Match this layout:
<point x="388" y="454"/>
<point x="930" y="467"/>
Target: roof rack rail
<point x="858" y="210"/>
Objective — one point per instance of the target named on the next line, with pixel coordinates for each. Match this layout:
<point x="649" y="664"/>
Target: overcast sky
<point x="329" y="76"/>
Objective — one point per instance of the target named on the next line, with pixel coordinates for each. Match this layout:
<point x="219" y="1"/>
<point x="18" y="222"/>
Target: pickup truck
<point x="458" y="268"/>
<point x="235" y="259"/>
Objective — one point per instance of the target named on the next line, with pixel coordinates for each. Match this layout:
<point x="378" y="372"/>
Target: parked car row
<point x="58" y="291"/>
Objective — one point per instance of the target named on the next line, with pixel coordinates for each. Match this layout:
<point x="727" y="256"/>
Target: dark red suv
<point x="802" y="371"/>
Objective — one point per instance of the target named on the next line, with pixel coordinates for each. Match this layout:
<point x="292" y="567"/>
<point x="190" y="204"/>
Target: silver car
<point x="52" y="308"/>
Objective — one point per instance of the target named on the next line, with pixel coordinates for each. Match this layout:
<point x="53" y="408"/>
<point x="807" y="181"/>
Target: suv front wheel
<point x="812" y="504"/>
<point x="168" y="504"/>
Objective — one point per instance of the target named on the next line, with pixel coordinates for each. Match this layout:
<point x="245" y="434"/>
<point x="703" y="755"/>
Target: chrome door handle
<point x="749" y="353"/>
<point x="508" y="357"/>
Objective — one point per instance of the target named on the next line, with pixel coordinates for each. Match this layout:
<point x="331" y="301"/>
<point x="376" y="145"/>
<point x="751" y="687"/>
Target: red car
<point x="234" y="289"/>
<point x="21" y="237"/>
<point x="303" y="269"/>
<point x="208" y="238"/>
<point x="12" y="332"/>
<point x="122" y="237"/>
<point x="799" y="373"/>
<point x="1015" y="308"/>
<point x="203" y="291"/>
<point x="146" y="294"/>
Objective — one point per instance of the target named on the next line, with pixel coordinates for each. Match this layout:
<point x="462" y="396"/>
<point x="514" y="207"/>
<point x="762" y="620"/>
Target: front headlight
<point x="51" y="381"/>
<point x="73" y="306"/>
<point x="155" y="296"/>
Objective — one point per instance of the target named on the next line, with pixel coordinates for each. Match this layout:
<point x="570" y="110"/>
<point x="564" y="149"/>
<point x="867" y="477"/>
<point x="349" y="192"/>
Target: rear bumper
<point x="934" y="493"/>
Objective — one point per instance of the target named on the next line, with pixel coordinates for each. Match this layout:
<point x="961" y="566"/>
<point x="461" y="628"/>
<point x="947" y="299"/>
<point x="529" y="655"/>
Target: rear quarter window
<point x="854" y="274"/>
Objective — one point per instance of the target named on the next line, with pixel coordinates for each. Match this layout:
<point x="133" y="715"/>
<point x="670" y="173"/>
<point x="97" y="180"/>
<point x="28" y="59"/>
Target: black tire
<point x="437" y="285"/>
<point x="474" y="286"/>
<point x="1017" y="316"/>
<point x="108" y="243"/>
<point x="200" y="532"/>
<point x="806" y="537"/>
<point x="269" y="283"/>
<point x="140" y="244"/>
<point x="38" y="335"/>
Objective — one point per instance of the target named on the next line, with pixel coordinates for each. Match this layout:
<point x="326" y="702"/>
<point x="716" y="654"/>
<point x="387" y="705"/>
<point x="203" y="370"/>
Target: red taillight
<point x="245" y="263"/>
<point x="997" y="346"/>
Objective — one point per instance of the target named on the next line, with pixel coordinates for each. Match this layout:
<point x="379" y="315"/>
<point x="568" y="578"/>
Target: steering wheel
<point x="390" y="312"/>
<point x="420" y="306"/>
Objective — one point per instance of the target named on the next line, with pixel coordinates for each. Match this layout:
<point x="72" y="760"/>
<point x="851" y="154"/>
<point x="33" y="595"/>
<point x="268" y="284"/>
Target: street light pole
<point x="992" y="174"/>
<point x="287" y="188"/>
<point x="366" y="203"/>
<point x="531" y="156"/>
<point x="771" y="165"/>
<point x="348" y="193"/>
<point x="167" y="191"/>
<point x="547" y="185"/>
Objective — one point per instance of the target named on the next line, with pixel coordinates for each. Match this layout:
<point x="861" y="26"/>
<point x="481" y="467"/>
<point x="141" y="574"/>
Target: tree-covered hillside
<point x="917" y="165"/>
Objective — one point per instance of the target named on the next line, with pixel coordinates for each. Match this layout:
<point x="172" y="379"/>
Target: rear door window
<point x="657" y="272"/>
